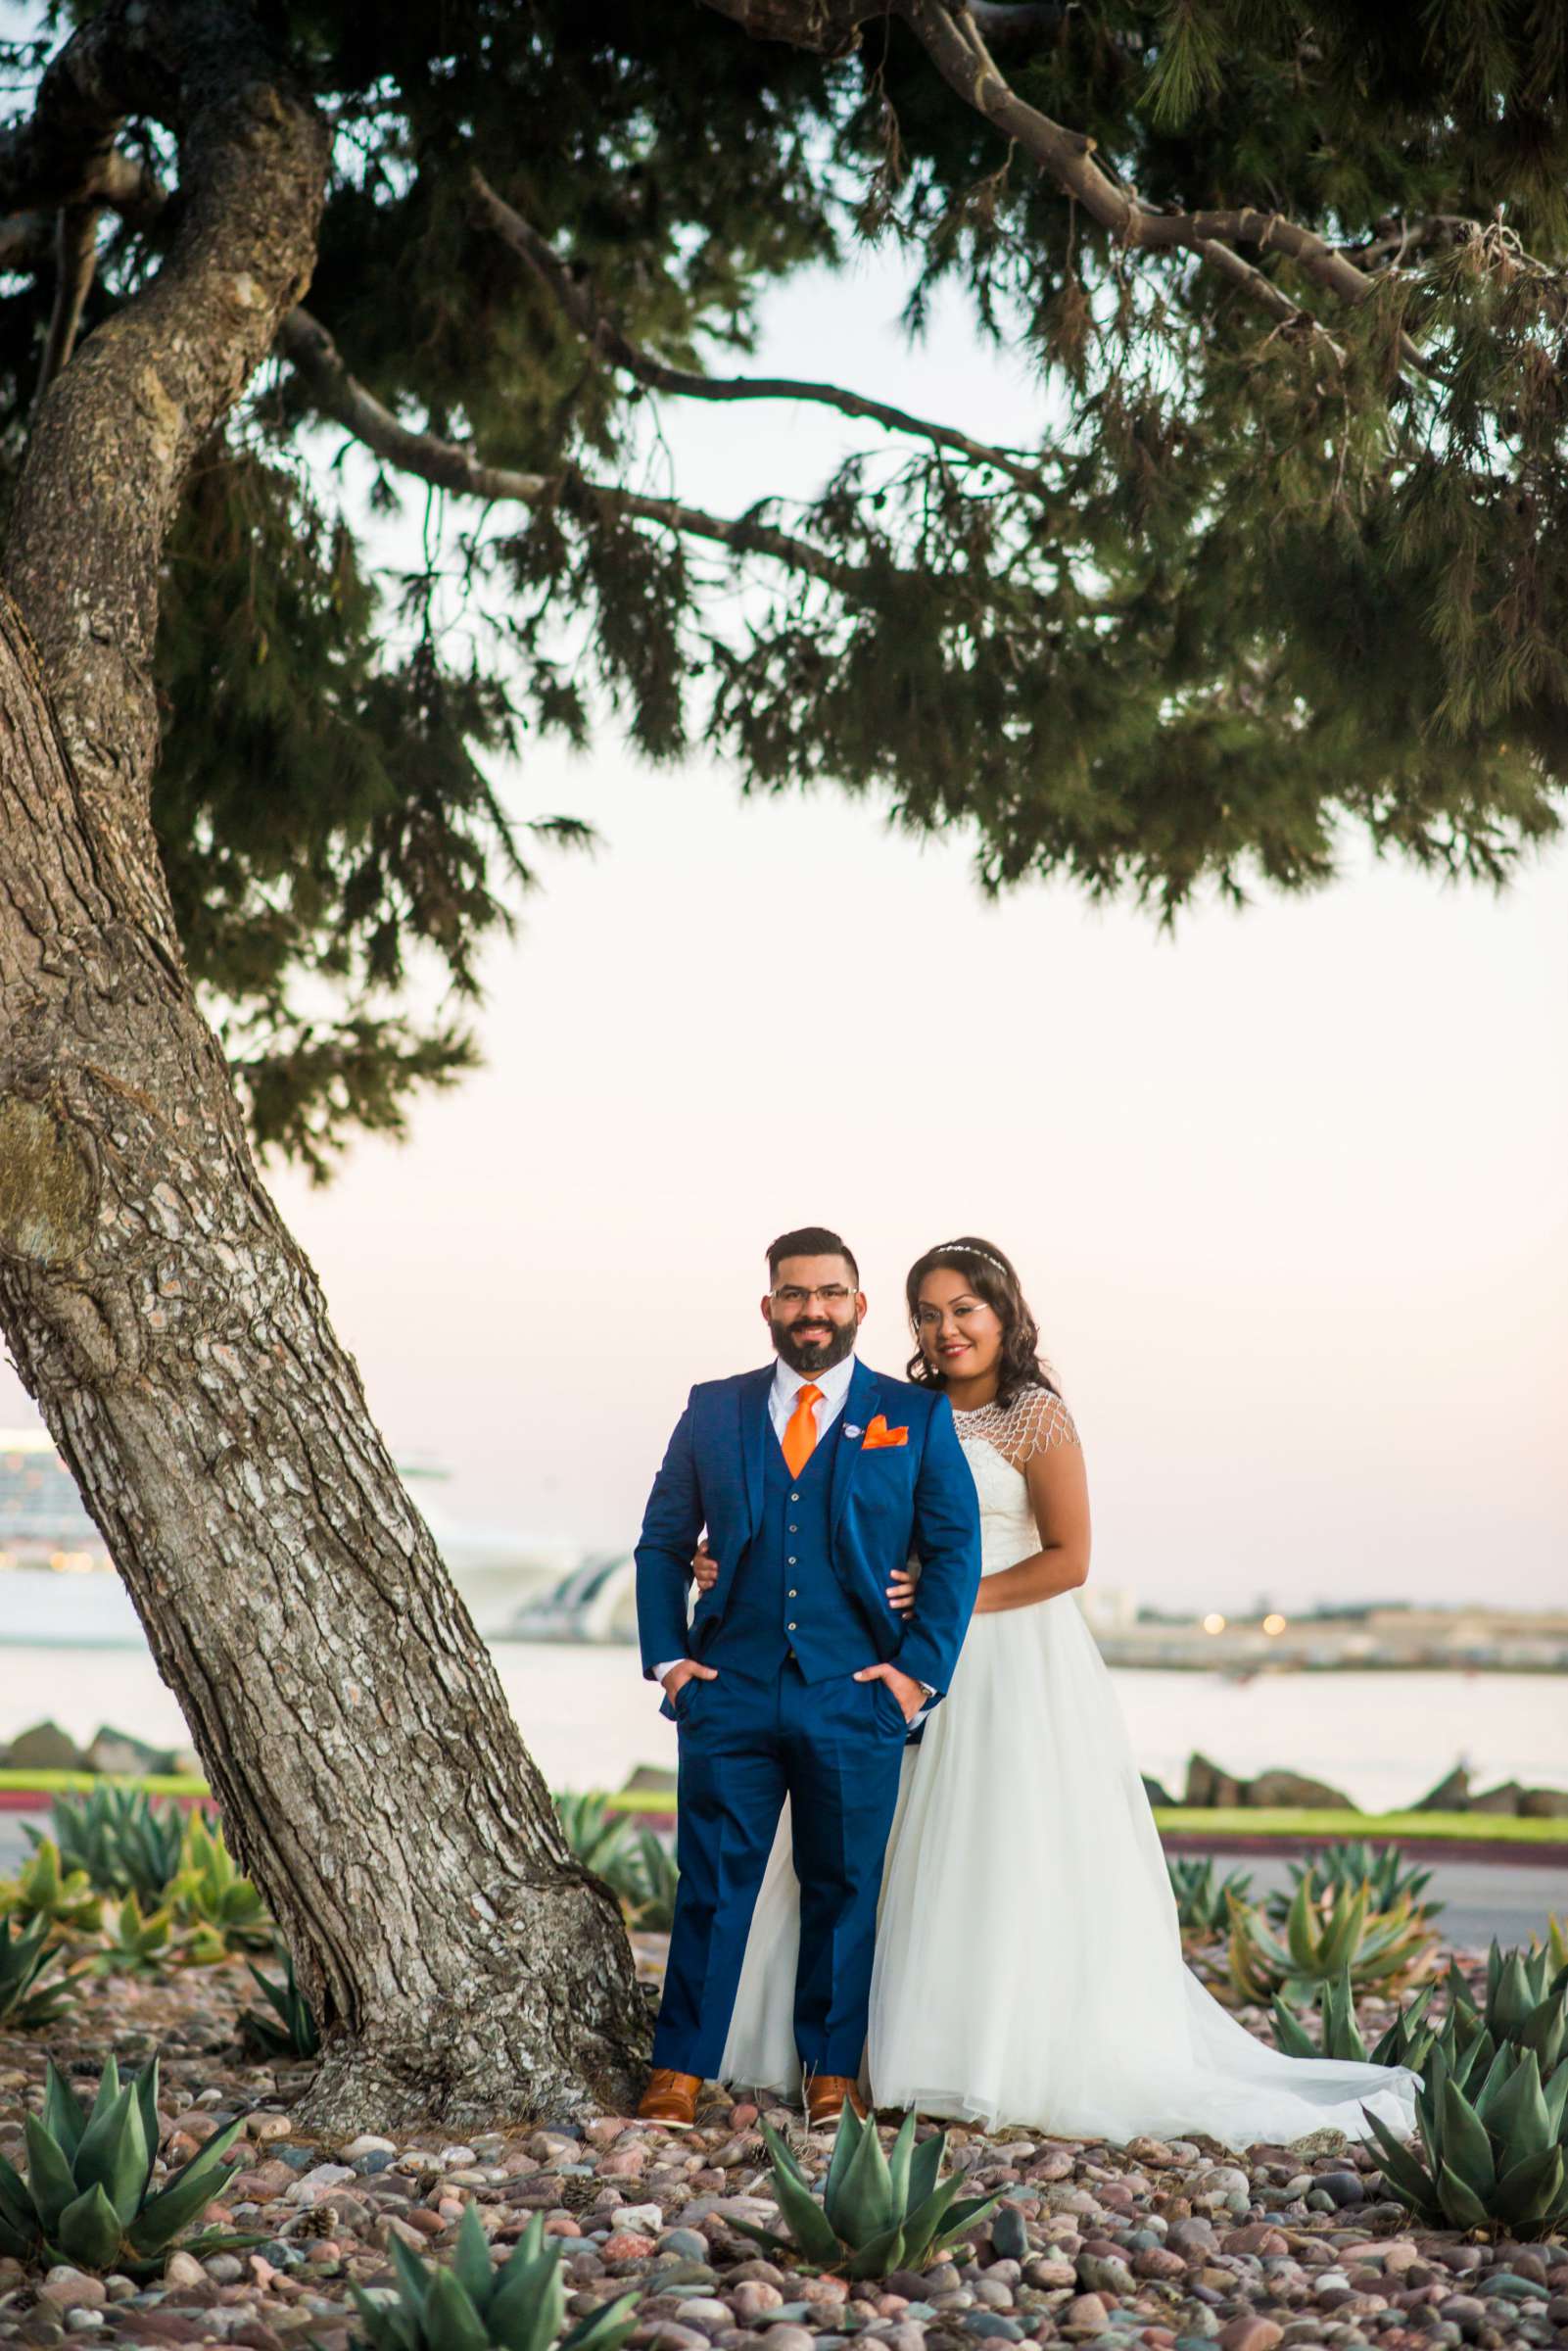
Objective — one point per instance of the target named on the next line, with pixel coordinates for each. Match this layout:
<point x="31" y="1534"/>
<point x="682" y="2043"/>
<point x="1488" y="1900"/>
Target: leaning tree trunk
<point x="371" y="1777"/>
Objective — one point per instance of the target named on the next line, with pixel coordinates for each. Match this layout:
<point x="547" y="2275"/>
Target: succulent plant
<point x="121" y="1842"/>
<point x="1201" y="1896"/>
<point x="519" y="2305"/>
<point x="1522" y="2008"/>
<point x="26" y="2003"/>
<point x="85" y="2200"/>
<point x="595" y="1834"/>
<point x="1354" y="1863"/>
<point x="1382" y="1949"/>
<point x="42" y="1889"/>
<point x="1405" y="2042"/>
<point x="878" y="2212"/>
<point x="295" y="2033"/>
<point x="1494" y="2159"/>
<point x="137" y="1944"/>
<point x="222" y="1910"/>
<point x="1526" y="2000"/>
<point x="1467" y="2047"/>
<point x="647" y="1879"/>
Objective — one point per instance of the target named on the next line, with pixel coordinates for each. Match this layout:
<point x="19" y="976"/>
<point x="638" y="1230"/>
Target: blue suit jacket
<point x="885" y="1504"/>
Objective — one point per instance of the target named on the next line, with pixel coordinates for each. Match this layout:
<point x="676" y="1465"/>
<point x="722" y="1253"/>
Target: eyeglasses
<point x="831" y="1294"/>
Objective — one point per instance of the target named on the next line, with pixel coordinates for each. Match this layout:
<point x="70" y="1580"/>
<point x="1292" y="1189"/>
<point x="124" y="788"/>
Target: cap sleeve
<point x="1038" y="1421"/>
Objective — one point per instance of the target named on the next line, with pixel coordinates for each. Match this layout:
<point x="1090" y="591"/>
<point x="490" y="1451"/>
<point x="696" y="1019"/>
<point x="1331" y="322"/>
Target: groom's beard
<point x="812" y="1356"/>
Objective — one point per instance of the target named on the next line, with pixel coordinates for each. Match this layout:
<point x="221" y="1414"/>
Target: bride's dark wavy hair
<point x="992" y="1278"/>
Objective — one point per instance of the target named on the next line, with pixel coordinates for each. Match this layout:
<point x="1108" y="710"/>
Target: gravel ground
<point x="1173" y="2246"/>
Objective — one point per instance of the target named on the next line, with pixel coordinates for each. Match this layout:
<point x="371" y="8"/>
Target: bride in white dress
<point x="1028" y="1965"/>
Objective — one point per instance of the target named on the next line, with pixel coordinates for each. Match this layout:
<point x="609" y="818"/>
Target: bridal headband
<point x="968" y="1249"/>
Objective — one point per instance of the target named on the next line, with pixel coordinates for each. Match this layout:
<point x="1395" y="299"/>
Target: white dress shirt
<point x="833" y="1386"/>
<point x="787" y="1386"/>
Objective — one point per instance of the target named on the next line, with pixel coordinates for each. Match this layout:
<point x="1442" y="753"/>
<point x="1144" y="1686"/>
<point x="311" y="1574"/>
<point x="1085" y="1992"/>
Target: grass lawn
<point x="1491" y="1828"/>
<point x="1500" y="1828"/>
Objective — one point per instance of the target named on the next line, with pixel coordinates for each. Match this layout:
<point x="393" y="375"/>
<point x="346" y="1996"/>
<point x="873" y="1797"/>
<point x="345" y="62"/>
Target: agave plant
<point x="26" y="2003"/>
<point x="1462" y="2041"/>
<point x="294" y="2033"/>
<point x="1526" y="2000"/>
<point x="1497" y="2159"/>
<point x="519" y="2306"/>
<point x="85" y="2200"/>
<point x="878" y="2212"/>
<point x="646" y="1881"/>
<point x="137" y="1944"/>
<point x="1405" y="2043"/>
<point x="120" y="1840"/>
<point x="1382" y="1949"/>
<point x="595" y="1834"/>
<point x="1202" y="1897"/>
<point x="1355" y="1863"/>
<point x="220" y="1908"/>
<point x="42" y="1889"/>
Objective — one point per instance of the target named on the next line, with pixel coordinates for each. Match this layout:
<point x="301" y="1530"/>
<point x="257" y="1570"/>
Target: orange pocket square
<point x="878" y="1434"/>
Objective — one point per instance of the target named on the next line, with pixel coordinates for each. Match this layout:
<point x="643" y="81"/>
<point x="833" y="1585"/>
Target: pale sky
<point x="1287" y="1191"/>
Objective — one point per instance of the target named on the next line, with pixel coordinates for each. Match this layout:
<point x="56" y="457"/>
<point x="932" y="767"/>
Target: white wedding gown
<point x="1028" y="1966"/>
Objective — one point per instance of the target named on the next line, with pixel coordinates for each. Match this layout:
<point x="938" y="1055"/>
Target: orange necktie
<point x="800" y="1433"/>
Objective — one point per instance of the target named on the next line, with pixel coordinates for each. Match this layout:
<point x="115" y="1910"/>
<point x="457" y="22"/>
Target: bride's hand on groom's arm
<point x="704" y="1567"/>
<point x="901" y="1591"/>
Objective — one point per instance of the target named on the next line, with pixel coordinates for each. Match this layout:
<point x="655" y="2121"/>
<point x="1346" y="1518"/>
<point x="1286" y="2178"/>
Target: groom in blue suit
<point x="815" y="1479"/>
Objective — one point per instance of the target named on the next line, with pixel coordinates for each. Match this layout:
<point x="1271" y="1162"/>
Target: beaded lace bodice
<point x="998" y="1445"/>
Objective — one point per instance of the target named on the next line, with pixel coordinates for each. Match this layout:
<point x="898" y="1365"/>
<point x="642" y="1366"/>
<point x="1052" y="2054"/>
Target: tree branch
<point x="337" y="393"/>
<point x="1412" y="237"/>
<point x="75" y="258"/>
<point x="579" y="299"/>
<point x="65" y="146"/>
<point x="953" y="42"/>
<point x="950" y="33"/>
<point x="112" y="182"/>
<point x="1019" y="23"/>
<point x="832" y="27"/>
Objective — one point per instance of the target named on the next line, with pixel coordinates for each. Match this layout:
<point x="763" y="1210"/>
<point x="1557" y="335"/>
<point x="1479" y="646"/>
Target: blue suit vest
<point x="887" y="1478"/>
<point x="788" y="1596"/>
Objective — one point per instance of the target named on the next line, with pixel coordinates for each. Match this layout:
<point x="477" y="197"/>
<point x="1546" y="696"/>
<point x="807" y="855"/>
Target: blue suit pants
<point x="834" y="1749"/>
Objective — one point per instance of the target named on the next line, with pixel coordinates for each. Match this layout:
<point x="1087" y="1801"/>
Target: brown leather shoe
<point x="825" y="2100"/>
<point x="670" y="2098"/>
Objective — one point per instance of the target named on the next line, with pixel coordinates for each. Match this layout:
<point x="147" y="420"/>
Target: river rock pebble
<point x="1163" y="2245"/>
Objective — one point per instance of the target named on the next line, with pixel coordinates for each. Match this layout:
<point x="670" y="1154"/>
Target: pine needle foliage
<point x="1257" y="583"/>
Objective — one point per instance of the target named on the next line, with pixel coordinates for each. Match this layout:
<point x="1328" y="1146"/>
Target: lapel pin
<point x="852" y="1431"/>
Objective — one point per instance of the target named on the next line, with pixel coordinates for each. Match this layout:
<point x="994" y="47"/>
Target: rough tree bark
<point x="173" y="1333"/>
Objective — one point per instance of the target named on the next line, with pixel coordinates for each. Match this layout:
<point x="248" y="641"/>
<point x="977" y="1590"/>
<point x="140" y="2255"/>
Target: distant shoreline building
<point x="43" y="1521"/>
<point x="58" y="1582"/>
<point x="563" y="1590"/>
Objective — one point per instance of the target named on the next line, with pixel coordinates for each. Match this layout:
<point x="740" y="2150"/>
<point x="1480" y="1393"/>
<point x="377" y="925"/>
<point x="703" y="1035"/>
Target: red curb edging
<point x="40" y="1799"/>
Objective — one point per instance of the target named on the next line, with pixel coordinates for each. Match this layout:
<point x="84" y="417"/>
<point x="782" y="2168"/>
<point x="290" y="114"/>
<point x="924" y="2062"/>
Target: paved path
<point x="1510" y="1899"/>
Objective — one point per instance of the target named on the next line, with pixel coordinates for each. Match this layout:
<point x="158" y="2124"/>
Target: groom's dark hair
<point x="811" y="1240"/>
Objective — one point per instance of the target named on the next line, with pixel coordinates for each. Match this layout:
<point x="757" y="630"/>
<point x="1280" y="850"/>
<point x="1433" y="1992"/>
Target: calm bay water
<point x="590" y="1719"/>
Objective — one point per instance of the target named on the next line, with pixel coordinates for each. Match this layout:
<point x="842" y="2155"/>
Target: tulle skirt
<point x="1028" y="1966"/>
